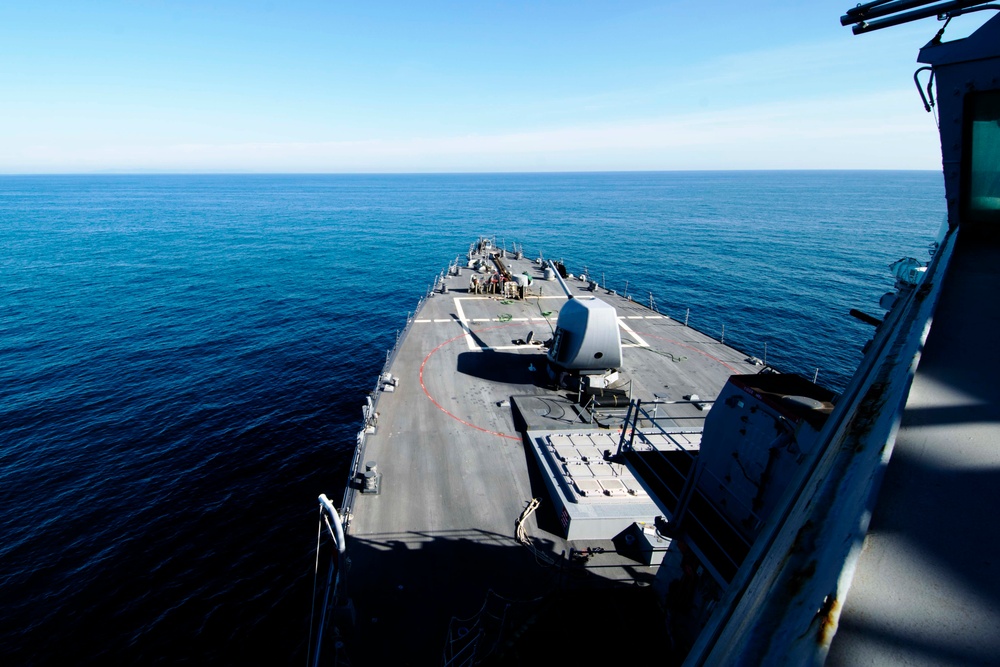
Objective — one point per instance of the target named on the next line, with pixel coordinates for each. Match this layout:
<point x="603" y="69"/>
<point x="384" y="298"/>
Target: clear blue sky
<point x="335" y="86"/>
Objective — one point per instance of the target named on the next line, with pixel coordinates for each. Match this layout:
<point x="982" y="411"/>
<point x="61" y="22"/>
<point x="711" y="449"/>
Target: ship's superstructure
<point x="866" y="572"/>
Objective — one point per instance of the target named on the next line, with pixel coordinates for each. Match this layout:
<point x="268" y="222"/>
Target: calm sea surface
<point x="183" y="360"/>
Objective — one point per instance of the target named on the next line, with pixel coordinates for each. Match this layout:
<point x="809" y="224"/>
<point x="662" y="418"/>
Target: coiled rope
<point x="522" y="534"/>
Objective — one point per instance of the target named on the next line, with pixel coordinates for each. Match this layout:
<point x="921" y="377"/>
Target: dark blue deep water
<point x="183" y="360"/>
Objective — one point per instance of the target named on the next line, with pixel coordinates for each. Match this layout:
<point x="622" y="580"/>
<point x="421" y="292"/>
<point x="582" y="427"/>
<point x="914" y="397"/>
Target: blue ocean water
<point x="183" y="360"/>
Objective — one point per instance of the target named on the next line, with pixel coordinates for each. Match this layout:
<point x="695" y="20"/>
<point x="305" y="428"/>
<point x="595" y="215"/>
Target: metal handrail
<point x="893" y="12"/>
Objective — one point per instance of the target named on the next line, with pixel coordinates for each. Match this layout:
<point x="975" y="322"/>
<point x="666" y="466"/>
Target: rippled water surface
<point x="183" y="360"/>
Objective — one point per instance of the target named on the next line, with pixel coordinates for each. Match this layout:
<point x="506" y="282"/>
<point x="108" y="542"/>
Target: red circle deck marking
<point x="441" y="407"/>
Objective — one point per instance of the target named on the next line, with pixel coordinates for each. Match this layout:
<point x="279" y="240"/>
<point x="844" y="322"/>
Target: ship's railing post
<point x="625" y="427"/>
<point x="635" y="424"/>
<point x="335" y="528"/>
<point x="390" y="356"/>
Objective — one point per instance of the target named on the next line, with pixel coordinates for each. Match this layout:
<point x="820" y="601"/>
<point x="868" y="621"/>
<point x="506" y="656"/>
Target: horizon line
<point x="452" y="173"/>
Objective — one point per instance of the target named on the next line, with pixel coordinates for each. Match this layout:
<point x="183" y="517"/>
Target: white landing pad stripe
<point x="492" y="298"/>
<point x="631" y="333"/>
<point x="465" y="326"/>
<point x="465" y="321"/>
<point x="482" y="319"/>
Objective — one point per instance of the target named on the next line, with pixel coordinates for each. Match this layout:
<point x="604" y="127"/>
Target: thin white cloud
<point x="837" y="132"/>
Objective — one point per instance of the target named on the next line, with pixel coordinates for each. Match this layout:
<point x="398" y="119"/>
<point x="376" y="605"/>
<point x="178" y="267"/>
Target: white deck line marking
<point x="465" y="326"/>
<point x="490" y="298"/>
<point x="422" y="321"/>
<point x="465" y="321"/>
<point x="656" y="317"/>
<point x="444" y="320"/>
<point x="634" y="335"/>
<point x="635" y="317"/>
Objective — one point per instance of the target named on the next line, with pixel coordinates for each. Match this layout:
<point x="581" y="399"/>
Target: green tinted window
<point x="983" y="173"/>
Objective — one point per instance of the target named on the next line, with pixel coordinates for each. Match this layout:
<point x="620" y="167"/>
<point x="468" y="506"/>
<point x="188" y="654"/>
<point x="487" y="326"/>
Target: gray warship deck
<point x="457" y="468"/>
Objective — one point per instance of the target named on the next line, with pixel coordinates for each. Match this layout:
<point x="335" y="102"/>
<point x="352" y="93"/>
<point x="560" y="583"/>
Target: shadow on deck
<point x="431" y="589"/>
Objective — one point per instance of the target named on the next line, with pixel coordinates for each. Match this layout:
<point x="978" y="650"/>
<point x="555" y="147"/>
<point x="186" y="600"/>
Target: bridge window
<point x="982" y="168"/>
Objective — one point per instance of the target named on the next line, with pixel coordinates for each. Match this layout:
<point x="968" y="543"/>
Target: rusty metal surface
<point x="782" y="608"/>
